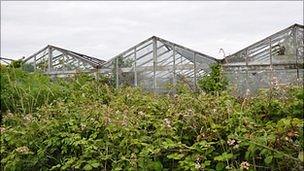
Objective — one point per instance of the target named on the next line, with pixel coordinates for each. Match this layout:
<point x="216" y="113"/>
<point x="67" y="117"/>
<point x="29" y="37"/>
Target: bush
<point x="214" y="82"/>
<point x="94" y="127"/>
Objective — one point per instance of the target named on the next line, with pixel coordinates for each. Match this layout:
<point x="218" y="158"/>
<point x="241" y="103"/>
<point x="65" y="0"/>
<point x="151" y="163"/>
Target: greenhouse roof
<point x="95" y="62"/>
<point x="184" y="51"/>
<point x="258" y="53"/>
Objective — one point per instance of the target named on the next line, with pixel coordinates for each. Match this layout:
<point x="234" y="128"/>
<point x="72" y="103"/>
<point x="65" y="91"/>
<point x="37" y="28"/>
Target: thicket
<point x="83" y="124"/>
<point x="214" y="82"/>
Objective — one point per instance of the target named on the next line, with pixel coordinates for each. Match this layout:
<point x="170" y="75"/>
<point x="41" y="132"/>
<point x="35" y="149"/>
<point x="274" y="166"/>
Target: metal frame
<point x="266" y="58"/>
<point x="6" y="60"/>
<point x="72" y="62"/>
<point x="155" y="62"/>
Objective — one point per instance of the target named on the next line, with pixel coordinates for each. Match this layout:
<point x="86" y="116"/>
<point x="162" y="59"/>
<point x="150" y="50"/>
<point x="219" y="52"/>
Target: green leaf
<point x="87" y="167"/>
<point x="220" y="166"/>
<point x="176" y="156"/>
<point x="56" y="167"/>
<point x="206" y="163"/>
<point x="168" y="144"/>
<point x="268" y="159"/>
<point x="157" y="166"/>
<point x="225" y="156"/>
<point x="301" y="156"/>
<point x="95" y="165"/>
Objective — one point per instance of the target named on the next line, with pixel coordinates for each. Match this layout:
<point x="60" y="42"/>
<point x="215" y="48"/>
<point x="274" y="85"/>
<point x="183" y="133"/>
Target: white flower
<point x="167" y="122"/>
<point x="2" y="129"/>
<point x="197" y="166"/>
<point x="245" y="165"/>
<point x="228" y="167"/>
<point x="82" y="126"/>
<point x="141" y="113"/>
<point x="23" y="150"/>
<point x="231" y="142"/>
<point x="28" y="117"/>
<point x="236" y="146"/>
<point x="9" y="115"/>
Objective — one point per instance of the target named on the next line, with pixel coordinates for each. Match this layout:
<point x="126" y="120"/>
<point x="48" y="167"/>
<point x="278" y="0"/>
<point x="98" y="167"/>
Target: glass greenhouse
<point x="275" y="60"/>
<point x="156" y="64"/>
<point x="60" y="62"/>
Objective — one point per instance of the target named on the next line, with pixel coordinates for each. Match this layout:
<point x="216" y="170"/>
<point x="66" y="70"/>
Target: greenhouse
<point x="59" y="62"/>
<point x="275" y="60"/>
<point x="156" y="64"/>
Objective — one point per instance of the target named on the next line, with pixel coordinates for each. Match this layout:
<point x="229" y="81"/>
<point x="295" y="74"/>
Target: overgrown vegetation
<point x="84" y="124"/>
<point x="215" y="82"/>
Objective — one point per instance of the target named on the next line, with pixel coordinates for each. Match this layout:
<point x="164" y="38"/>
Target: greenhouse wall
<point x="274" y="61"/>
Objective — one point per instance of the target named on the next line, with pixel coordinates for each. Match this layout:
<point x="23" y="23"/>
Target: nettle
<point x="91" y="126"/>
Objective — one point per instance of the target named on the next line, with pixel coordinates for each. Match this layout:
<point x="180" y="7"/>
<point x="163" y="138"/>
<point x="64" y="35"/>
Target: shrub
<point x="214" y="82"/>
<point x="90" y="126"/>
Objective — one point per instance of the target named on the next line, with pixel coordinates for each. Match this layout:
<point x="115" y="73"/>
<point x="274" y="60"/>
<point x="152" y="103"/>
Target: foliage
<point x="23" y="92"/>
<point x="214" y="82"/>
<point x="126" y="78"/>
<point x="15" y="63"/>
<point x="87" y="125"/>
<point x="29" y="67"/>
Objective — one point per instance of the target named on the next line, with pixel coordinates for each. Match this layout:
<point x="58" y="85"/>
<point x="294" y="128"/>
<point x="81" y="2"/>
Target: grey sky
<point x="104" y="29"/>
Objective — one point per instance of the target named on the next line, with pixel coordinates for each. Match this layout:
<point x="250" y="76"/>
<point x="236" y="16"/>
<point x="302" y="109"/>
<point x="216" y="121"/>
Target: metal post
<point x="271" y="66"/>
<point x="96" y="74"/>
<point x="296" y="51"/>
<point x="246" y="70"/>
<point x="116" y="66"/>
<point x="135" y="73"/>
<point x="35" y="58"/>
<point x="270" y="50"/>
<point x="174" y="67"/>
<point x="50" y="59"/>
<point x="64" y="63"/>
<point x="194" y="70"/>
<point x="154" y="63"/>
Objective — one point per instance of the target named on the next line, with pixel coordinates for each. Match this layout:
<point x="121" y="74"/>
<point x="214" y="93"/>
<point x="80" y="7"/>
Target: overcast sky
<point x="104" y="29"/>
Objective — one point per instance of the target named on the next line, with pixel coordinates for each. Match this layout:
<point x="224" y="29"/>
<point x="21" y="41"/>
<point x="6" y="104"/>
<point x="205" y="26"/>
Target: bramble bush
<point x="214" y="82"/>
<point x="86" y="125"/>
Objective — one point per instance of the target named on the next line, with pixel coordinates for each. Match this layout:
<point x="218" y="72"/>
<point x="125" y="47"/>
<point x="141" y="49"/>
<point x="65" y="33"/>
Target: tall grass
<point x="23" y="92"/>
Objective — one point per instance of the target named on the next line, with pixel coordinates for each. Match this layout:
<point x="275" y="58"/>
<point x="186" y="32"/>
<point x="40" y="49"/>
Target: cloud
<point x="104" y="29"/>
